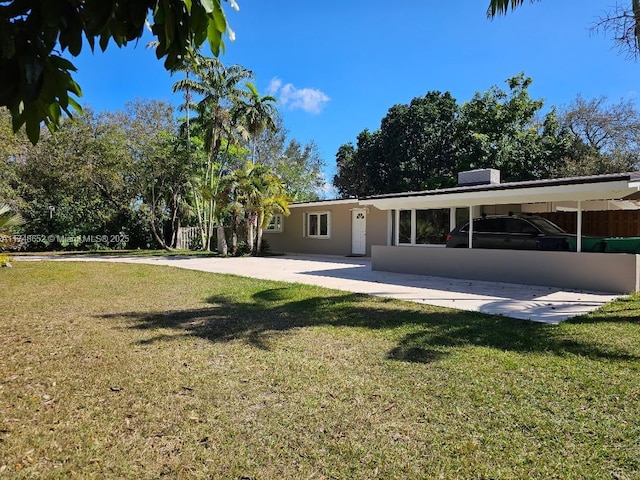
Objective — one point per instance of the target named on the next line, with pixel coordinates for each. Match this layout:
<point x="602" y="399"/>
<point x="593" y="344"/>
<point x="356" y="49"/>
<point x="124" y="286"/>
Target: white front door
<point x="358" y="232"/>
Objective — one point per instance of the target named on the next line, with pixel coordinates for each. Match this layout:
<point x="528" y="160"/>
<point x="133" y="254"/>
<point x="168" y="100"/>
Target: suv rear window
<point x="545" y="225"/>
<point x="518" y="225"/>
<point x="486" y="225"/>
<point x="513" y="225"/>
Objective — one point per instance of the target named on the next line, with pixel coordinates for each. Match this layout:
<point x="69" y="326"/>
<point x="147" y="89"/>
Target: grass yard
<point x="117" y="253"/>
<point x="136" y="371"/>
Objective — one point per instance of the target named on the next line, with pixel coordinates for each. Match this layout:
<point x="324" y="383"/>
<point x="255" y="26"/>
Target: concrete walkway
<point x="539" y="304"/>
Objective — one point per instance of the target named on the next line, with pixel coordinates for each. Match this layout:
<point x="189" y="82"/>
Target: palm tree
<point x="255" y="114"/>
<point x="500" y="7"/>
<point x="219" y="88"/>
<point x="8" y="221"/>
<point x="261" y="194"/>
<point x="248" y="195"/>
<point x="276" y="202"/>
<point x="229" y="201"/>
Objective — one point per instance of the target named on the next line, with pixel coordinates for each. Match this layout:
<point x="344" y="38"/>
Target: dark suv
<point x="512" y="232"/>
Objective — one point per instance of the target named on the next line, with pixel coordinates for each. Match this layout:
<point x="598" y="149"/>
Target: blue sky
<point x="338" y="66"/>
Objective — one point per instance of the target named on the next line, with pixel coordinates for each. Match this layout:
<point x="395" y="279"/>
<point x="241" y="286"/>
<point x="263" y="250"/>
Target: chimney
<point x="482" y="176"/>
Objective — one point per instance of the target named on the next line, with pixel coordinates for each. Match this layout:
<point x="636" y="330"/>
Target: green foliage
<point x="137" y="173"/>
<point x="254" y="114"/>
<point x="8" y="222"/>
<point x="413" y="150"/>
<point x="299" y="166"/>
<point x="76" y="181"/>
<point x="37" y="84"/>
<point x="219" y="89"/>
<point x="501" y="129"/>
<point x="161" y="166"/>
<point x="606" y="137"/>
<point x="80" y="181"/>
<point x="12" y="151"/>
<point x="417" y="144"/>
<point x="351" y="180"/>
<point x="256" y="193"/>
<point x="5" y="260"/>
<point x="424" y="144"/>
<point x="500" y="7"/>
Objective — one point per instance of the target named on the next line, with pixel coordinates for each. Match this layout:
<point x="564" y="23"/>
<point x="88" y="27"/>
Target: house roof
<point x="324" y="203"/>
<point x="595" y="187"/>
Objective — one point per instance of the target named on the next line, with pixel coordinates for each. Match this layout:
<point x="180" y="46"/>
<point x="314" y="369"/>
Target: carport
<point x="588" y="271"/>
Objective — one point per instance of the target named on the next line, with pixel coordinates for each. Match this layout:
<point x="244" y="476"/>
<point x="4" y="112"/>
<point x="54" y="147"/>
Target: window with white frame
<point x="317" y="225"/>
<point x="404" y="226"/>
<point x="422" y="227"/>
<point x="275" y="224"/>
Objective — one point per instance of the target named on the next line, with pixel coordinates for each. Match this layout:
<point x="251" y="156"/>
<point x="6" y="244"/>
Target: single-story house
<point x="405" y="232"/>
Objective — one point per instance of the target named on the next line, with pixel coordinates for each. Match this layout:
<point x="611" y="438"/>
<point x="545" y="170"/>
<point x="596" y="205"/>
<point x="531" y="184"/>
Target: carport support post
<point x="579" y="227"/>
<point x="452" y="218"/>
<point x="470" y="226"/>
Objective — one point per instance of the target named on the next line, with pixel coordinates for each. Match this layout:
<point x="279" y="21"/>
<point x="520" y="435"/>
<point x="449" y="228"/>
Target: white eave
<point x="602" y="187"/>
<point x="324" y="203"/>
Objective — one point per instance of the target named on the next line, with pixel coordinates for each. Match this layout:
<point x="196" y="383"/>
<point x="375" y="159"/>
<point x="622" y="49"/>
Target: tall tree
<point x="229" y="200"/>
<point x="414" y="149"/>
<point x="299" y="166"/>
<point x="13" y="151"/>
<point x="78" y="180"/>
<point x="261" y="194"/>
<point x="254" y="114"/>
<point x="418" y="143"/>
<point x="161" y="166"/>
<point x="423" y="145"/>
<point x="219" y="88"/>
<point x="607" y="135"/>
<point x="507" y="130"/>
<point x="359" y="167"/>
<point x="36" y="84"/>
<point x="623" y="22"/>
<point x="348" y="172"/>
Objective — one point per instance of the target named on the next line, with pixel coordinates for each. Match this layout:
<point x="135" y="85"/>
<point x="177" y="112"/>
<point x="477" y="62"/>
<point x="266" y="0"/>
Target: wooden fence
<point x="610" y="223"/>
<point x="186" y="236"/>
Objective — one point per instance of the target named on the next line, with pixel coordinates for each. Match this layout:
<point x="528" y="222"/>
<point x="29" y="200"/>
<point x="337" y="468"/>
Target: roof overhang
<point x="324" y="203"/>
<point x="604" y="187"/>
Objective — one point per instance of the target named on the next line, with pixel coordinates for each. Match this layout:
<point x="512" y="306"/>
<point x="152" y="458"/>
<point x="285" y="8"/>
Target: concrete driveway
<point x="539" y="304"/>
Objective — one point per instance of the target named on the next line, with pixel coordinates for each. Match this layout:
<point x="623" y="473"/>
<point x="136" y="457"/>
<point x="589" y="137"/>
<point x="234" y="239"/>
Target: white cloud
<point x="326" y="190"/>
<point x="310" y="100"/>
<point x="274" y="86"/>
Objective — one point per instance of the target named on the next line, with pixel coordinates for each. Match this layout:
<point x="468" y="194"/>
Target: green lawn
<point x="135" y="371"/>
<point x="118" y="253"/>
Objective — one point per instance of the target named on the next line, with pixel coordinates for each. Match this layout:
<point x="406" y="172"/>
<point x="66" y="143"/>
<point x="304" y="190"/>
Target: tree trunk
<point x="174" y="240"/>
<point x="234" y="232"/>
<point x="157" y="236"/>
<point x="221" y="241"/>
<point x="175" y="221"/>
<point x="154" y="231"/>
<point x="250" y="234"/>
<point x="259" y="233"/>
<point x="200" y="214"/>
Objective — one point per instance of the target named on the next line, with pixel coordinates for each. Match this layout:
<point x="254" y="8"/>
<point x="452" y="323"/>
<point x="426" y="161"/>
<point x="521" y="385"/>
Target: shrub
<point x="5" y="260"/>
